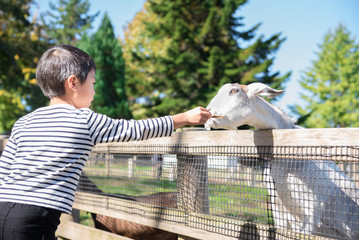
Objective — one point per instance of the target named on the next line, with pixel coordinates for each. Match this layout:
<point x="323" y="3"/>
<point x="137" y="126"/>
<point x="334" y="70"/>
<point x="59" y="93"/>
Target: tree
<point x="110" y="98"/>
<point x="20" y="45"/>
<point x="183" y="51"/>
<point x="68" y="21"/>
<point x="332" y="83"/>
<point x="138" y="44"/>
<point x="14" y="27"/>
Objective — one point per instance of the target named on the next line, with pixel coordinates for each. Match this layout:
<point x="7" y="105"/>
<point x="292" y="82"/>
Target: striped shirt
<point x="46" y="152"/>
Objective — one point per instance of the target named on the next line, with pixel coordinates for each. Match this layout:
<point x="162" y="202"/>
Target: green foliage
<point x="110" y="98"/>
<point x="12" y="24"/>
<point x="68" y="21"/>
<point x="202" y="51"/>
<point x="10" y="110"/>
<point x="332" y="83"/>
<point x="19" y="49"/>
<point x="14" y="28"/>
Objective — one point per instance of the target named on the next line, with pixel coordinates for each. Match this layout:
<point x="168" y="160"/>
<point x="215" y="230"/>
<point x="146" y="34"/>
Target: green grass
<point x="123" y="185"/>
<point x="86" y="219"/>
<point x="123" y="167"/>
<point x="240" y="201"/>
<point x="237" y="201"/>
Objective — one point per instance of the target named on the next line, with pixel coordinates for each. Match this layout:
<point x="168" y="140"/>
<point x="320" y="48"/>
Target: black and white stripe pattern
<point x="46" y="152"/>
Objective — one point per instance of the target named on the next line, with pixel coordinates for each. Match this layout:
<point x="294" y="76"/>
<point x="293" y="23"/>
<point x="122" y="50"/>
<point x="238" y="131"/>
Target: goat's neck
<point x="267" y="116"/>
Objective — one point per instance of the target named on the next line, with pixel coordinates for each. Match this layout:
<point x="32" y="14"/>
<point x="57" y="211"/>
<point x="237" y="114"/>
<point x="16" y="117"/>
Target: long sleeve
<point x="103" y="129"/>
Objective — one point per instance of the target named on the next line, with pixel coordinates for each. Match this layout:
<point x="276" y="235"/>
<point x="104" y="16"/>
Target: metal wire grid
<point x="291" y="192"/>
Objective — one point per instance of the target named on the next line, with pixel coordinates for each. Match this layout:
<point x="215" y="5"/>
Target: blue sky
<point x="303" y="22"/>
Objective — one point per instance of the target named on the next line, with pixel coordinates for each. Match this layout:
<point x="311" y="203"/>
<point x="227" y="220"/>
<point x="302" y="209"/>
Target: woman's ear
<point x="72" y="83"/>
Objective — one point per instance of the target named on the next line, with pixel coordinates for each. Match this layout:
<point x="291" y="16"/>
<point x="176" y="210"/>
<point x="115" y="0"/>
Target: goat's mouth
<point x="213" y="121"/>
<point x="216" y="114"/>
<point x="220" y="116"/>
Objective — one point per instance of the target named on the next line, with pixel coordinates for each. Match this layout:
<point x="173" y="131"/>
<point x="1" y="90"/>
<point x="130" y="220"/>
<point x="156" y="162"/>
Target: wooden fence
<point x="192" y="154"/>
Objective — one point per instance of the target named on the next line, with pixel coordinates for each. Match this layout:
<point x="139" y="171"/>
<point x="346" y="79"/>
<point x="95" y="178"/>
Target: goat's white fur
<point x="313" y="197"/>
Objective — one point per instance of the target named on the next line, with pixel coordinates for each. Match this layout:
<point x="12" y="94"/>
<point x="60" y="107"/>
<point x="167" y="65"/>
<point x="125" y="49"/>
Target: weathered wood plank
<point x="297" y="143"/>
<point x="75" y="231"/>
<point x="281" y="137"/>
<point x="278" y="137"/>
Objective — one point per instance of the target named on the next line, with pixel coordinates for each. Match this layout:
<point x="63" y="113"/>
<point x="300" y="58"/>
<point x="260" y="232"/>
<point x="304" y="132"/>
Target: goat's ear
<point x="261" y="89"/>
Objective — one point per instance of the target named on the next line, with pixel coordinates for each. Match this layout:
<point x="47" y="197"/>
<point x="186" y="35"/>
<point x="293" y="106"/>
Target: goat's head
<point x="233" y="105"/>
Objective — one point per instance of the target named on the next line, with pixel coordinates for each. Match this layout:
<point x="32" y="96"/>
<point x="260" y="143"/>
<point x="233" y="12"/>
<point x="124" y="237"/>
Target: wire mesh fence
<point x="244" y="192"/>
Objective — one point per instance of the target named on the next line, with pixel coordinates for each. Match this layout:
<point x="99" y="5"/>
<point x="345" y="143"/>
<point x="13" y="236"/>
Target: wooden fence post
<point x="108" y="161"/>
<point x="131" y="165"/>
<point x="192" y="180"/>
<point x="193" y="183"/>
<point x="157" y="161"/>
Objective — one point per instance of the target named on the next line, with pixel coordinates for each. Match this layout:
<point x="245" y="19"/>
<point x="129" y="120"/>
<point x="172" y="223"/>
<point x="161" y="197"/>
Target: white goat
<point x="311" y="197"/>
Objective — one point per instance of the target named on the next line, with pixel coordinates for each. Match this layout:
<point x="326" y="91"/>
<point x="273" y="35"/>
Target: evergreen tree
<point x="110" y="98"/>
<point x="68" y="21"/>
<point x="332" y="83"/>
<point x="201" y="51"/>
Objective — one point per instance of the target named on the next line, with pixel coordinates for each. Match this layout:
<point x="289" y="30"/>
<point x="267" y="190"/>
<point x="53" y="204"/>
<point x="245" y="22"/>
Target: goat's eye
<point x="234" y="91"/>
